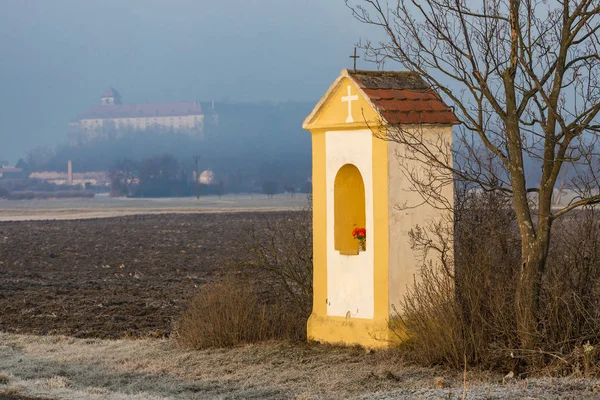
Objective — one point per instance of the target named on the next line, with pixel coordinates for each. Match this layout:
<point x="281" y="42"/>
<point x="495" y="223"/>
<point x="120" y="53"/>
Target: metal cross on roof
<point x="355" y="58"/>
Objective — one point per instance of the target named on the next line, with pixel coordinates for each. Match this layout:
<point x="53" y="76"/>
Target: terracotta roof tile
<point x="389" y="80"/>
<point x="410" y="105"/>
<point x="446" y="117"/>
<point x="403" y="98"/>
<point x="401" y="94"/>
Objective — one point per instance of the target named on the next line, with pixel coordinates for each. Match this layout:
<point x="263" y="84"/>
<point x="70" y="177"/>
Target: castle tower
<point x="110" y="96"/>
<point x="357" y="183"/>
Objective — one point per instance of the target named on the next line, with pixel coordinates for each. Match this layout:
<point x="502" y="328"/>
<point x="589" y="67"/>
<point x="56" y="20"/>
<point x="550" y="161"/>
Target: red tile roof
<point x="106" y="111"/>
<point x="10" y="169"/>
<point x="403" y="97"/>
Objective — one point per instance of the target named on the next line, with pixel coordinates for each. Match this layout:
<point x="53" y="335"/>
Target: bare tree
<point x="197" y="176"/>
<point x="270" y="188"/>
<point x="39" y="156"/>
<point x="281" y="246"/>
<point x="122" y="177"/>
<point x="523" y="77"/>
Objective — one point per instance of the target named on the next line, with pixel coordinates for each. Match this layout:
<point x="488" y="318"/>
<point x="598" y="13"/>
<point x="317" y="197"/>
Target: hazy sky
<point x="58" y="56"/>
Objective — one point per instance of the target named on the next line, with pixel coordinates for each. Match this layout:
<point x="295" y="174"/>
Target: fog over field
<point x="103" y="206"/>
<point x="59" y="56"/>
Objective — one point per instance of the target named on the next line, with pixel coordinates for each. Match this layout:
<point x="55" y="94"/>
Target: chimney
<point x="70" y="172"/>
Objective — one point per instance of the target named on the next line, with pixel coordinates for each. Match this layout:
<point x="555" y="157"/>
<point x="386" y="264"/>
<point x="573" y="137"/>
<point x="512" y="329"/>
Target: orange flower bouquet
<point x="360" y="234"/>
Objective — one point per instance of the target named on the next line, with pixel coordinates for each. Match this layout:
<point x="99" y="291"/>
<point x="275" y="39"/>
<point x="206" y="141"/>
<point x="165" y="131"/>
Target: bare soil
<point x="113" y="277"/>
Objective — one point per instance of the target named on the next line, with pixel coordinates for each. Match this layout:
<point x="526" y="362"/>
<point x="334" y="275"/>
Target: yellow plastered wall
<point x="381" y="223"/>
<point x="333" y="115"/>
<point x="406" y="210"/>
<point x="349" y="208"/>
<point x="334" y="112"/>
<point x="394" y="265"/>
<point x="319" y="225"/>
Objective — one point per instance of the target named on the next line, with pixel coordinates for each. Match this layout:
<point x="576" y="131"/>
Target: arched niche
<point x="349" y="208"/>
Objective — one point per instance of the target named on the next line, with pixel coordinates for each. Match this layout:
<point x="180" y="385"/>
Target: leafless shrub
<point x="463" y="309"/>
<point x="228" y="313"/>
<point x="271" y="297"/>
<point x="571" y="295"/>
<point x="453" y="313"/>
<point x="280" y="248"/>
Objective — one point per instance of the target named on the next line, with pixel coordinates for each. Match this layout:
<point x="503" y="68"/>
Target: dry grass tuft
<point x="229" y="312"/>
<point x="270" y="298"/>
<point x="58" y="382"/>
<point x="12" y="390"/>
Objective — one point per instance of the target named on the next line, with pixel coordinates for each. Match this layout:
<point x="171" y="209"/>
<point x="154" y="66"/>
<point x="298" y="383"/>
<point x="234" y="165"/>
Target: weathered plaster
<point x="349" y="277"/>
<point x="403" y="217"/>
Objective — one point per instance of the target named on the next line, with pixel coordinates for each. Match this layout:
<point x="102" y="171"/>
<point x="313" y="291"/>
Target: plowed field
<point x="112" y="277"/>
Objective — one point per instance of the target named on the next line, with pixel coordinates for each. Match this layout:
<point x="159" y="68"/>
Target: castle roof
<point x="109" y="111"/>
<point x="110" y="92"/>
<point x="403" y="97"/>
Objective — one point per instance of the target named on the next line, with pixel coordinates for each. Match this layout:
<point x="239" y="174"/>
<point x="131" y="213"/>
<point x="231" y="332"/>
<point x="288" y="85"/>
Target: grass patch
<point x="145" y="369"/>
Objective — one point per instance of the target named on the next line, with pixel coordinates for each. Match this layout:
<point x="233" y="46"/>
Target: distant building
<point x="207" y="177"/>
<point x="112" y="118"/>
<point x="12" y="173"/>
<point x="76" y="178"/>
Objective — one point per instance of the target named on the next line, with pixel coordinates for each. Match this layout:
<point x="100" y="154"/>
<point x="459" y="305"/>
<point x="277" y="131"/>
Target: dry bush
<point x="271" y="297"/>
<point x="279" y="249"/>
<point x="228" y="313"/>
<point x="570" y="324"/>
<point x="453" y="313"/>
<point x="462" y="309"/>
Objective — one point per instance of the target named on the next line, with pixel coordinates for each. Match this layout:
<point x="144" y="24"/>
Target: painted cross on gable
<point x="350" y="98"/>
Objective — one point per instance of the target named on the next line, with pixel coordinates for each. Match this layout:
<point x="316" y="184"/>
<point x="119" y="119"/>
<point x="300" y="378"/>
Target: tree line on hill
<point x="163" y="175"/>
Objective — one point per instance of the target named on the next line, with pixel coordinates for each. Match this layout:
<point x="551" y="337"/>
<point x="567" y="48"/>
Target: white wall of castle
<point x="189" y="123"/>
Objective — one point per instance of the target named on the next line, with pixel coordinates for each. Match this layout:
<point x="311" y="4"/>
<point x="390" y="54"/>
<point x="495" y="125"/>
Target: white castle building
<point x="113" y="118"/>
